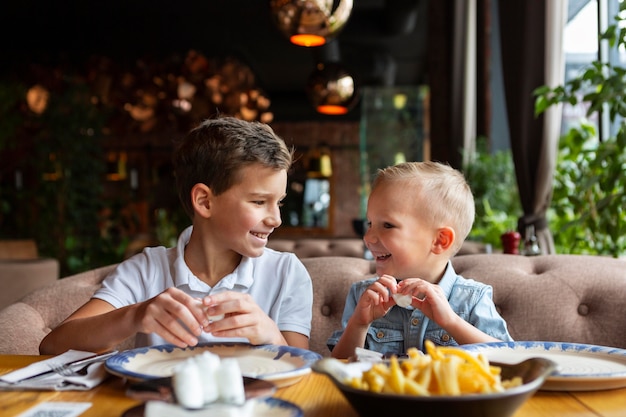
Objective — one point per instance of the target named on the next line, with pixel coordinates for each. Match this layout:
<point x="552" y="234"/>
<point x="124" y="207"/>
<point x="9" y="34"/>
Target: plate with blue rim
<point x="580" y="367"/>
<point x="281" y="365"/>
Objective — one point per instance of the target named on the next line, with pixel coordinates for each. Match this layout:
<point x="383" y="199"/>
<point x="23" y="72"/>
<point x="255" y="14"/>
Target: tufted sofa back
<point x="354" y="247"/>
<point x="25" y="323"/>
<point x="309" y="248"/>
<point x="560" y="298"/>
<point x="563" y="298"/>
<point x="332" y="277"/>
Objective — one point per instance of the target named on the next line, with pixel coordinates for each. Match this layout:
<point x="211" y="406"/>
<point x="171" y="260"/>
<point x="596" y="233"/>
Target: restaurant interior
<point x="153" y="70"/>
<point x="94" y="94"/>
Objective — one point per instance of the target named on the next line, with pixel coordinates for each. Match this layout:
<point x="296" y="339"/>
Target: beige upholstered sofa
<point x="314" y="247"/>
<point x="566" y="298"/>
<point x="22" y="270"/>
<point x="337" y="246"/>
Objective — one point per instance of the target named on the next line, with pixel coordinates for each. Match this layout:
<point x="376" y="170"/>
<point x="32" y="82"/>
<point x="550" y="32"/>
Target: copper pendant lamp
<point x="331" y="88"/>
<point x="310" y="22"/>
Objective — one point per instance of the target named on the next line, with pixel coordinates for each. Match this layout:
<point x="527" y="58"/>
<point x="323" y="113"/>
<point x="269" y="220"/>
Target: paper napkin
<point x="29" y="378"/>
<point x="366" y="355"/>
<point x="249" y="409"/>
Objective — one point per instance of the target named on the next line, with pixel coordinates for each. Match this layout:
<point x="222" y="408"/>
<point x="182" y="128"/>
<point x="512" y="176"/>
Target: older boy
<point x="231" y="177"/>
<point x="418" y="213"/>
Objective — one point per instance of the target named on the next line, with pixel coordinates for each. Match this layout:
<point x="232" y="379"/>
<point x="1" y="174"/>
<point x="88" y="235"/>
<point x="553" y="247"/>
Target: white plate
<point x="282" y="365"/>
<point x="580" y="367"/>
<point x="266" y="407"/>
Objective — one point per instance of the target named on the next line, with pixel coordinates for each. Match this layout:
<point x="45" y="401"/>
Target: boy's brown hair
<point x="214" y="152"/>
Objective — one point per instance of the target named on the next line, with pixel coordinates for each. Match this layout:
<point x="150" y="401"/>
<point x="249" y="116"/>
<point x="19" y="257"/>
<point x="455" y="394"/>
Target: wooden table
<point x="315" y="394"/>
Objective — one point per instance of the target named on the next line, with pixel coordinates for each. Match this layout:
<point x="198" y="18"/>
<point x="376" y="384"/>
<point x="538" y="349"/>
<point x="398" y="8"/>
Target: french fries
<point x="442" y="371"/>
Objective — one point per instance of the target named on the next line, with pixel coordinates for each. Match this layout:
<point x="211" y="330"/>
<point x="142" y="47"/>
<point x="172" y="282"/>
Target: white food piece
<point x="206" y="379"/>
<point x="187" y="384"/>
<point x="231" y="382"/>
<point x="217" y="291"/>
<point x="403" y="300"/>
<point x="205" y="309"/>
<point x="208" y="363"/>
<point x="216" y="318"/>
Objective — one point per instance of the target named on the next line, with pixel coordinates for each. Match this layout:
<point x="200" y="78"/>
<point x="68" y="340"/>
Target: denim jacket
<point x="402" y="328"/>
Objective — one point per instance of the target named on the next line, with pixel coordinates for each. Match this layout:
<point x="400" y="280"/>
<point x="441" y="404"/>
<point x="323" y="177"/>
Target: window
<point x="587" y="18"/>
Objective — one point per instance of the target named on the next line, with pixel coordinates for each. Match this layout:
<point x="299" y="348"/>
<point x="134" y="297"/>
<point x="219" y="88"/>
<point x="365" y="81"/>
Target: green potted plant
<point x="588" y="212"/>
<point x="491" y="175"/>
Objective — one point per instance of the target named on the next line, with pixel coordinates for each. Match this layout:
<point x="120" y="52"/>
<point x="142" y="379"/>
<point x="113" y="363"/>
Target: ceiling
<point x="383" y="42"/>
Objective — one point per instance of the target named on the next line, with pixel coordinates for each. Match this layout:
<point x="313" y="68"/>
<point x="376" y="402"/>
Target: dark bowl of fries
<point x="446" y="381"/>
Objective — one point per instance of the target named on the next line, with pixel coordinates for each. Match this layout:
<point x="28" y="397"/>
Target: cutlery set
<point x="72" y="370"/>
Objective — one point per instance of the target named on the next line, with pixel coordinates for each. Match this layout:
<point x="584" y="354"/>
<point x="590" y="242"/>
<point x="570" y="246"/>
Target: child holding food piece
<point x="231" y="177"/>
<point x="419" y="214"/>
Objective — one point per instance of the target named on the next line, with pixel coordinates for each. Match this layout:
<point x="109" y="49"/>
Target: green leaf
<point x="541" y="104"/>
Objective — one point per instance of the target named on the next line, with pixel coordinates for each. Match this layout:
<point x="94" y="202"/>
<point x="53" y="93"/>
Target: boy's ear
<point x="201" y="200"/>
<point x="444" y="240"/>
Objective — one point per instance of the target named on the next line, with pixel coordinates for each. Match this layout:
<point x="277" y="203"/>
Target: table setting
<point x="152" y="373"/>
<point x="282" y="365"/>
<point x="580" y="367"/>
<point x="282" y="381"/>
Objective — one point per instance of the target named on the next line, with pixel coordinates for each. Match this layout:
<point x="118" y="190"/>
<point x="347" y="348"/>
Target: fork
<point x="69" y="370"/>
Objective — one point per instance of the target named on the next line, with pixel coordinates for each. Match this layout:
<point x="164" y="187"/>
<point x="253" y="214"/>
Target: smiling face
<point x="242" y="218"/>
<point x="399" y="238"/>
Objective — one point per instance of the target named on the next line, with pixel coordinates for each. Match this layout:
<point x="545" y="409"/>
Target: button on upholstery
<point x="326" y="310"/>
<point x="583" y="309"/>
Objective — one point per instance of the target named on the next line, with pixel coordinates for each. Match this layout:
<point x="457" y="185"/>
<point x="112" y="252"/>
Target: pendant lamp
<point x="331" y="88"/>
<point x="310" y="22"/>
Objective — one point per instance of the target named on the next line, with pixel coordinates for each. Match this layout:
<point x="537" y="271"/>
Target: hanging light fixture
<point x="310" y="22"/>
<point x="37" y="98"/>
<point x="331" y="88"/>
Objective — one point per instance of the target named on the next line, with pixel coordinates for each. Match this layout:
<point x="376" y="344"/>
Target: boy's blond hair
<point x="439" y="187"/>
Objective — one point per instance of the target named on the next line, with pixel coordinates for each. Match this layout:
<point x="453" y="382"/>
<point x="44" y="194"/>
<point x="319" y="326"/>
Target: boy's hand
<point x="242" y="317"/>
<point x="375" y="302"/>
<point x="430" y="299"/>
<point x="173" y="315"/>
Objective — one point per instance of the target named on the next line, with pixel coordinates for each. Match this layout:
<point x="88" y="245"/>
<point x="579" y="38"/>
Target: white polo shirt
<point x="277" y="281"/>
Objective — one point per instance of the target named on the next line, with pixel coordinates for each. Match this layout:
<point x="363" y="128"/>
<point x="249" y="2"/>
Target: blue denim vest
<point x="403" y="328"/>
